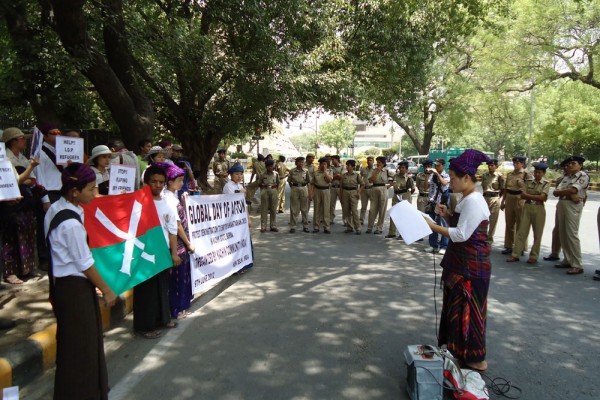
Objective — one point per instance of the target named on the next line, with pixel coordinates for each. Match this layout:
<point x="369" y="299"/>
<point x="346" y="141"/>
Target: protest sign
<point x="9" y="187"/>
<point x="122" y="179"/>
<point x="2" y="151"/>
<point x="36" y="143"/>
<point x="409" y="221"/>
<point x="218" y="229"/>
<point x="68" y="149"/>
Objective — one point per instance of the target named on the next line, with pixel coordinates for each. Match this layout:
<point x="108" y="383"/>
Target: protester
<point x="100" y="164"/>
<point x="123" y="156"/>
<point x="80" y="363"/>
<point x="144" y="147"/>
<point x="189" y="181"/>
<point x="155" y="155"/>
<point x="151" y="297"/>
<point x="466" y="265"/>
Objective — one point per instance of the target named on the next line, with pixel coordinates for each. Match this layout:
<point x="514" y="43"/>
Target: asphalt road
<point x="329" y="317"/>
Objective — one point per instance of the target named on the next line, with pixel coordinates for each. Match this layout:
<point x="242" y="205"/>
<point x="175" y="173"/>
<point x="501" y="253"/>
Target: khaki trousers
<point x="321" y="208"/>
<point x="533" y="216"/>
<point x="299" y="204"/>
<point x="422" y="202"/>
<point x="281" y="194"/>
<point x="268" y="204"/>
<point x="218" y="184"/>
<point x="378" y="206"/>
<point x="494" y="207"/>
<point x="251" y="190"/>
<point x="513" y="208"/>
<point x="569" y="215"/>
<point x="350" y="208"/>
<point x="365" y="195"/>
<point x="555" y="237"/>
<point x="406" y="197"/>
<point x="333" y="197"/>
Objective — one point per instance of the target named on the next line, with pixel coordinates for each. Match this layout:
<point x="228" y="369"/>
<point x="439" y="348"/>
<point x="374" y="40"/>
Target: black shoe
<point x="305" y="230"/>
<point x="326" y="231"/>
<point x="357" y="233"/>
<point x="562" y="266"/>
<point x="315" y="231"/>
<point x="389" y="236"/>
<point x="596" y="277"/>
<point x="7" y="323"/>
<point x="551" y="258"/>
<point x="507" y="251"/>
<point x="293" y="230"/>
<point x="279" y="212"/>
<point x="377" y="232"/>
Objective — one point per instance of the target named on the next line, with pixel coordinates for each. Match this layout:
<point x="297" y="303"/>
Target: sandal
<point x="531" y="261"/>
<point x="575" y="271"/>
<point x="149" y="334"/>
<point x="512" y="259"/>
<point x="13" y="280"/>
<point x="170" y="325"/>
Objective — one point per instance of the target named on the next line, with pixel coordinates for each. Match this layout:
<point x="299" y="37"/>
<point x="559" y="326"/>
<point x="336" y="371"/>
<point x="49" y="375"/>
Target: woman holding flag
<point x="80" y="363"/>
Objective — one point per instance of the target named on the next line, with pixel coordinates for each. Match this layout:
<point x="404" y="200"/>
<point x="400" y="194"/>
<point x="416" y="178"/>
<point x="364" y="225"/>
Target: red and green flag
<point x="126" y="238"/>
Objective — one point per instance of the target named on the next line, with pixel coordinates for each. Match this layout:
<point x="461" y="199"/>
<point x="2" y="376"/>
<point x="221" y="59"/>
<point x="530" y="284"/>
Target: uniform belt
<point x="400" y="191"/>
<point x="335" y="187"/>
<point x="268" y="186"/>
<point x="379" y="184"/>
<point x="515" y="192"/>
<point x="423" y="194"/>
<point x="535" y="202"/>
<point x="349" y="188"/>
<point x="322" y="187"/>
<point x="298" y="184"/>
<point x="491" y="194"/>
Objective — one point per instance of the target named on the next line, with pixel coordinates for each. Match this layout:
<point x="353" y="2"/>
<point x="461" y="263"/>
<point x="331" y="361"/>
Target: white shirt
<point x="473" y="210"/>
<point x="70" y="252"/>
<point x="47" y="173"/>
<point x="168" y="218"/>
<point x="101" y="177"/>
<point x="231" y="187"/>
<point x="172" y="201"/>
<point x="18" y="161"/>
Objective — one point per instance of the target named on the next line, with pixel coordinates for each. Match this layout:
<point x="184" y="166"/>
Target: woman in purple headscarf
<point x="466" y="265"/>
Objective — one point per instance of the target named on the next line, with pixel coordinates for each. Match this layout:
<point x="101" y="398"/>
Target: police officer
<point x="422" y="183"/>
<point x="336" y="171"/>
<point x="351" y="186"/>
<point x="555" y="246"/>
<point x="258" y="168"/>
<point x="283" y="172"/>
<point x="571" y="193"/>
<point x="365" y="195"/>
<point x="379" y="179"/>
<point x="533" y="215"/>
<point x="511" y="202"/>
<point x="269" y="182"/>
<point x="298" y="180"/>
<point x="310" y="167"/>
<point x="320" y="187"/>
<point x="492" y="184"/>
<point x="220" y="168"/>
<point x="404" y="187"/>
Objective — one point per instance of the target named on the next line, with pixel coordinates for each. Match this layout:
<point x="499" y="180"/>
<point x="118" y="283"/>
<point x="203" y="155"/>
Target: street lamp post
<point x="258" y="137"/>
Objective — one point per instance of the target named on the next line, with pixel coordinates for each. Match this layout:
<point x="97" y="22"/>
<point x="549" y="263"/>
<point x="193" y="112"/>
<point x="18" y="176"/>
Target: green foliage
<point x="338" y="133"/>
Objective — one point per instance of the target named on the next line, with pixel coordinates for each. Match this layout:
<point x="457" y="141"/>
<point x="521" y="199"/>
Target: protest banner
<point x="36" y="143"/>
<point x="218" y="229"/>
<point x="2" y="151"/>
<point x="9" y="187"/>
<point x="122" y="179"/>
<point x="68" y="149"/>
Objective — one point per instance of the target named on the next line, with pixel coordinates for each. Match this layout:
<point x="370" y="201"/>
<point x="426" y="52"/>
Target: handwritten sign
<point x="9" y="188"/>
<point x="36" y="143"/>
<point x="68" y="149"/>
<point x="122" y="179"/>
<point x="2" y="151"/>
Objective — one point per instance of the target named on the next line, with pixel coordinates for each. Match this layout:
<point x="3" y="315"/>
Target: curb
<point x="25" y="361"/>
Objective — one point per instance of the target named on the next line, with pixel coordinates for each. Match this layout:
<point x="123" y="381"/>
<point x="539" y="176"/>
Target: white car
<point x="508" y="165"/>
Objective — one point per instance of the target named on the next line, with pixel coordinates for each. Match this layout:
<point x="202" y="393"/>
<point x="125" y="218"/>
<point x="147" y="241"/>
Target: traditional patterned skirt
<point x="464" y="317"/>
<point x="19" y="244"/>
<point x="180" y="286"/>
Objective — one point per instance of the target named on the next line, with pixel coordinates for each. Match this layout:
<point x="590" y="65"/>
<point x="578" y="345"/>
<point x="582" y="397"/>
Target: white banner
<point x="68" y="149"/>
<point x="218" y="229"/>
<point x="122" y="179"/>
<point x="2" y="151"/>
<point x="9" y="187"/>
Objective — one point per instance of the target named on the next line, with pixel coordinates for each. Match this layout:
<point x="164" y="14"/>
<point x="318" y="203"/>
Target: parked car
<point x="507" y="165"/>
<point x="413" y="168"/>
<point x="392" y="167"/>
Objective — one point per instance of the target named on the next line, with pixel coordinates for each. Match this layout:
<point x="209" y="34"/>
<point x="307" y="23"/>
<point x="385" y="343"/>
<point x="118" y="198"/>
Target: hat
<point x="427" y="161"/>
<point x="520" y="159"/>
<point x="12" y="133"/>
<point x="98" y="151"/>
<point x="567" y="160"/>
<point x="221" y="151"/>
<point x="468" y="162"/>
<point x="310" y="155"/>
<point x="493" y="161"/>
<point x="322" y="159"/>
<point x="351" y="162"/>
<point x="441" y="161"/>
<point x="174" y="172"/>
<point x="154" y="150"/>
<point x="164" y="143"/>
<point x="237" y="167"/>
<point x="299" y="159"/>
<point x="403" y="164"/>
<point x="540" y="165"/>
<point x="270" y="162"/>
<point x="76" y="175"/>
<point x="177" y="147"/>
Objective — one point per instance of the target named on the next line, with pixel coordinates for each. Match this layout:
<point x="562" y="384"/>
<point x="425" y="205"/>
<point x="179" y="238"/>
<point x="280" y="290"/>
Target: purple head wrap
<point x="76" y="176"/>
<point x="468" y="162"/>
<point x="172" y="170"/>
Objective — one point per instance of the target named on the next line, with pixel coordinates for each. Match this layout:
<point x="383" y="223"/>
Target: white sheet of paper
<point x="410" y="222"/>
<point x="9" y="187"/>
<point x="122" y="177"/>
<point x="68" y="148"/>
<point x="10" y="393"/>
<point x="2" y="151"/>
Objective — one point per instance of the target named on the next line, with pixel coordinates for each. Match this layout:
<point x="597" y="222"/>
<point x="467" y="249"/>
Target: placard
<point x="36" y="143"/>
<point x="68" y="149"/>
<point x="218" y="229"/>
<point x="2" y="151"/>
<point x="9" y="187"/>
<point x="122" y="179"/>
<point x="409" y="221"/>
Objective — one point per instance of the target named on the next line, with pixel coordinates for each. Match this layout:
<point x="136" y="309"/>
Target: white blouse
<point x="473" y="210"/>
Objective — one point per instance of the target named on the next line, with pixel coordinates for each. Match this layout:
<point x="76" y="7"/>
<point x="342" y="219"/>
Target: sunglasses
<point x="54" y="132"/>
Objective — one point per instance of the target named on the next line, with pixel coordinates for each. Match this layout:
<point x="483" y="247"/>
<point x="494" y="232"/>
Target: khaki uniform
<point x="513" y="205"/>
<point x="378" y="198"/>
<point x="492" y="186"/>
<point x="258" y="168"/>
<point x="335" y="189"/>
<point x="422" y="184"/>
<point x="569" y="214"/>
<point x="365" y="195"/>
<point x="403" y="187"/>
<point x="298" y="180"/>
<point x="321" y="199"/>
<point x="311" y="170"/>
<point x="555" y="247"/>
<point x="283" y="172"/>
<point x="220" y="169"/>
<point x="534" y="216"/>
<point x="268" y="198"/>
<point x="350" y="185"/>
